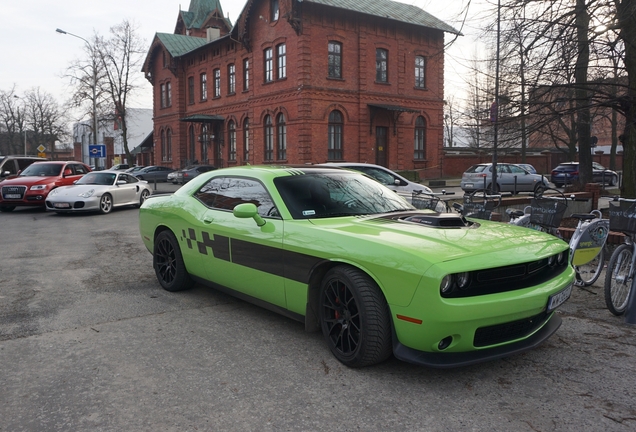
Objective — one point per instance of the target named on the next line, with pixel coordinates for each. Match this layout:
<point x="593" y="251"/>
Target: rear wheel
<point x="613" y="181"/>
<point x="144" y="194"/>
<point x="168" y="263"/>
<point x="355" y="318"/>
<point x="539" y="189"/>
<point x="497" y="188"/>
<point x="105" y="204"/>
<point x="617" y="280"/>
<point x="589" y="273"/>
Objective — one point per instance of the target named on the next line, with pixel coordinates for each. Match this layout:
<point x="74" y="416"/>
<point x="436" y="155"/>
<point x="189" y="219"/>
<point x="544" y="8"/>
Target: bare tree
<point x="11" y="123"/>
<point x="121" y="57"/>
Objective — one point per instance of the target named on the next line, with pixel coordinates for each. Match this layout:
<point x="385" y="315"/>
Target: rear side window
<point x="476" y="169"/>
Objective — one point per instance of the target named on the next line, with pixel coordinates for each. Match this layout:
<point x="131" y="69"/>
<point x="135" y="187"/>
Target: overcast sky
<point x="35" y="55"/>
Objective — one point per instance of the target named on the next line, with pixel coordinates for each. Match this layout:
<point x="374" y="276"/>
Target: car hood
<point x="30" y="180"/>
<point x="440" y="243"/>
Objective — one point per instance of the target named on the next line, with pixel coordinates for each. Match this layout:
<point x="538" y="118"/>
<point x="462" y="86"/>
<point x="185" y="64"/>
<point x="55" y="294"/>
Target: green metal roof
<point x="199" y="10"/>
<point x="178" y="45"/>
<point x="390" y="10"/>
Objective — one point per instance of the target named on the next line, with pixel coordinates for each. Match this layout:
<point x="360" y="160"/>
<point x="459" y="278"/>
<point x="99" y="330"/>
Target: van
<point x="10" y="166"/>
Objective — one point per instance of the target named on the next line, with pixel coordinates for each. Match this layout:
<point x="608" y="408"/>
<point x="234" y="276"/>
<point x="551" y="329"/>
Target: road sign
<point x="41" y="148"/>
<point x="97" y="151"/>
<point x="42" y="154"/>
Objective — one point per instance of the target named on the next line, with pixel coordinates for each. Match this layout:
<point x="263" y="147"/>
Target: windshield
<point x="42" y="170"/>
<point x="97" y="178"/>
<point x="322" y="195"/>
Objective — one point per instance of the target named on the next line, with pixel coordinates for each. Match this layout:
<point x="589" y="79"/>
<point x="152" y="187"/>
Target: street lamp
<point x="94" y="88"/>
<point x="25" y="136"/>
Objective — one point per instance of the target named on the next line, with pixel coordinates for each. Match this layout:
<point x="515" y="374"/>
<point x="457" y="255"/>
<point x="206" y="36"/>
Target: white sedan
<point x="99" y="191"/>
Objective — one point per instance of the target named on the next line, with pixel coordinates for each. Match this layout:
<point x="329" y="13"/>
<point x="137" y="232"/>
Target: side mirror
<point x="121" y="182"/>
<point x="248" y="210"/>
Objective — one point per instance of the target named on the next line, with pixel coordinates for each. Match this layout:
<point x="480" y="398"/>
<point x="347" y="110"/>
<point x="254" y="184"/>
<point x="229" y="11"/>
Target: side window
<point x="225" y="193"/>
<point x="9" y="166"/>
<point x="78" y="169"/>
<point x="516" y="170"/>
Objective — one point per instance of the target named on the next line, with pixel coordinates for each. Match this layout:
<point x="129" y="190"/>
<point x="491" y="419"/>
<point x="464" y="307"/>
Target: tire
<point x="144" y="194"/>
<point x="105" y="204"/>
<point x="617" y="283"/>
<point x="497" y="188"/>
<point x="589" y="273"/>
<point x="168" y="263"/>
<point x="558" y="185"/>
<point x="354" y="318"/>
<point x="7" y="209"/>
<point x="613" y="181"/>
<point x="539" y="189"/>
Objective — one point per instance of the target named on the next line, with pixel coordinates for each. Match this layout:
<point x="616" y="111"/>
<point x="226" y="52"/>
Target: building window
<point x="246" y="74"/>
<point x="246" y="140"/>
<point x="381" y="68"/>
<point x="269" y="65"/>
<point x="204" y="144"/>
<point x="281" y="137"/>
<point x="281" y="61"/>
<point x="231" y="137"/>
<point x="164" y="151"/>
<point x="231" y="79"/>
<point x="274" y="10"/>
<point x="168" y="94"/>
<point x="191" y="90"/>
<point x="192" y="146"/>
<point x="204" y="86"/>
<point x="334" y="150"/>
<point x="420" y="72"/>
<point x="169" y="145"/>
<point x="334" y="60"/>
<point x="217" y="83"/>
<point x="268" y="134"/>
<point x="163" y="95"/>
<point x="420" y="139"/>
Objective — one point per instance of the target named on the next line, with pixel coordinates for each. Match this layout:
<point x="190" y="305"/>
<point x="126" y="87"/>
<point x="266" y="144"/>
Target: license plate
<point x="61" y="205"/>
<point x="559" y="298"/>
<point x="468" y="186"/>
<point x="12" y="196"/>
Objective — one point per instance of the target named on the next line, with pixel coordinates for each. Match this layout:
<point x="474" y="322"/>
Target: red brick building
<point x="300" y="81"/>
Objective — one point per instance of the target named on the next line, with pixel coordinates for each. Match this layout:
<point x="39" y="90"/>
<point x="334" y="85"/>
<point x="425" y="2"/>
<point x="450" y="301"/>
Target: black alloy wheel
<point x="168" y="263"/>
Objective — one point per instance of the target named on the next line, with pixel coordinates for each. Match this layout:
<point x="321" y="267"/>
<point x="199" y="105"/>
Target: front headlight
<point x="447" y="284"/>
<point x="53" y="192"/>
<point x="462" y="280"/>
<point x="38" y="187"/>
<point x="87" y="194"/>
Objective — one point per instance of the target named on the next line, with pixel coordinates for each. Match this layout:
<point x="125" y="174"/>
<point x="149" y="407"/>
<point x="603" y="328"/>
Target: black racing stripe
<point x="291" y="265"/>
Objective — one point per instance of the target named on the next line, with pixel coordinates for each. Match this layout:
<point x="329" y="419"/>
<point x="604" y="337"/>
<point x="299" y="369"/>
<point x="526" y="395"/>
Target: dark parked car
<point x="188" y="173"/>
<point x="568" y="173"/>
<point x="10" y="166"/>
<point x="153" y="173"/>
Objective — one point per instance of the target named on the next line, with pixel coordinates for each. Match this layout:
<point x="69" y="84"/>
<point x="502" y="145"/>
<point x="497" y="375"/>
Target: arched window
<point x="268" y="134"/>
<point x="281" y="137"/>
<point x="246" y="140"/>
<point x="334" y="151"/>
<point x="420" y="139"/>
<point x="169" y="145"/>
<point x="163" y="146"/>
<point x="231" y="138"/>
<point x="192" y="145"/>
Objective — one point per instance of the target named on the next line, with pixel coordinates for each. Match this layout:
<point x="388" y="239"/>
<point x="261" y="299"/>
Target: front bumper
<point x="460" y="359"/>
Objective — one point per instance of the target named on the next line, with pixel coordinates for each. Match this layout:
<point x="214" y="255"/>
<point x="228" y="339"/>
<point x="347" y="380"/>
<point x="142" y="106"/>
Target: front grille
<point x="501" y="333"/>
<point x="12" y="192"/>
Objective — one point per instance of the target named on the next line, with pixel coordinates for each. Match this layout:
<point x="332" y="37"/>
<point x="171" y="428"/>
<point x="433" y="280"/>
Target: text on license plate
<point x="559" y="298"/>
<point x="13" y="196"/>
<point x="468" y="185"/>
<point x="61" y="205"/>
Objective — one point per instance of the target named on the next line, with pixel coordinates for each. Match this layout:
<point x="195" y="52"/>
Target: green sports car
<point x="343" y="254"/>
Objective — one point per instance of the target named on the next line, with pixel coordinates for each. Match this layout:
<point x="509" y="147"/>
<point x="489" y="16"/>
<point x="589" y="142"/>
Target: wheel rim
<point x="621" y="283"/>
<point x="341" y="318"/>
<point x="144" y="195"/>
<point x="589" y="273"/>
<point x="106" y="203"/>
<point x="166" y="261"/>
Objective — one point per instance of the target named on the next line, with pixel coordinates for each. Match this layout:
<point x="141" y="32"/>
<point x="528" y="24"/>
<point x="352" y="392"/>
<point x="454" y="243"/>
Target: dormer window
<point x="274" y="10"/>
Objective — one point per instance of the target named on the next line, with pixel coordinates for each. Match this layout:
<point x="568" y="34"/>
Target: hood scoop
<point x="438" y="220"/>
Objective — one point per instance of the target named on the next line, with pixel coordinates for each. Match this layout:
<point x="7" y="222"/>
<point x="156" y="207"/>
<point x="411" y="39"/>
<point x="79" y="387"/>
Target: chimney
<point x="213" y="33"/>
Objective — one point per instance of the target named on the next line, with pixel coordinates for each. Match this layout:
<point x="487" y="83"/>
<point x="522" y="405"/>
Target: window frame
<point x="281" y="61"/>
<point x="231" y="137"/>
<point x="246" y="74"/>
<point x="231" y="78"/>
<point x="335" y="135"/>
<point x="268" y="64"/>
<point x="191" y="90"/>
<point x="216" y="73"/>
<point x="203" y="85"/>
<point x="334" y="70"/>
<point x="419" y="139"/>
<point x="246" y="140"/>
<point x="281" y="137"/>
<point x="381" y="66"/>
<point x="420" y="72"/>
<point x="268" y="138"/>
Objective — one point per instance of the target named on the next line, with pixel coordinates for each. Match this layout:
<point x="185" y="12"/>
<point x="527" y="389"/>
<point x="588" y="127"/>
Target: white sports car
<point x="99" y="191"/>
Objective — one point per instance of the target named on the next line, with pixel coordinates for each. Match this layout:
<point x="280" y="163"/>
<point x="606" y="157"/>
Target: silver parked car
<point x="383" y="175"/>
<point x="99" y="191"/>
<point x="510" y="178"/>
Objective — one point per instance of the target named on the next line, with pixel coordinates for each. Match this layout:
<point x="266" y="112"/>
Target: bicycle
<point x="619" y="276"/>
<point x="430" y="201"/>
<point x="479" y="204"/>
<point x="587" y="254"/>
